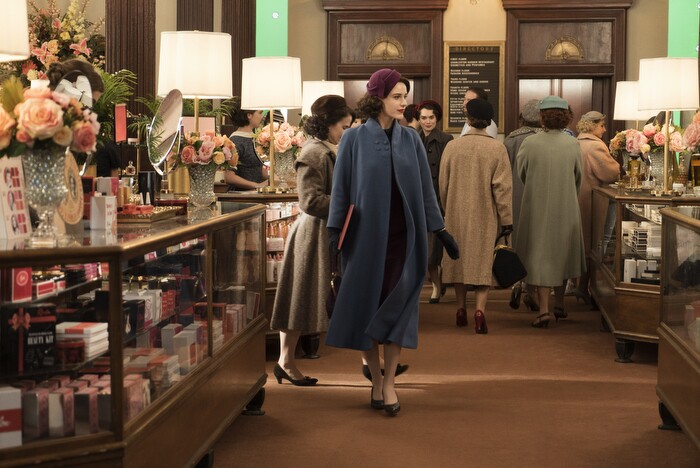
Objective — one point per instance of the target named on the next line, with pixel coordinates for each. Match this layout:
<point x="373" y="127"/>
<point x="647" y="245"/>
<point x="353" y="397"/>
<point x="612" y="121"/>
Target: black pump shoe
<point x="375" y="404"/>
<point x="282" y="374"/>
<point x="393" y="409"/>
<point x="400" y="369"/>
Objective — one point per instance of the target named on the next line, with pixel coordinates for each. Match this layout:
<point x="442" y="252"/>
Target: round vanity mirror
<point x="163" y="134"/>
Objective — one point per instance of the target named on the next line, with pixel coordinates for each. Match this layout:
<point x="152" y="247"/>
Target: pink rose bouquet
<point x="204" y="149"/>
<point x="44" y="119"/>
<point x="691" y="136"/>
<point x="287" y="138"/>
<point x="657" y="137"/>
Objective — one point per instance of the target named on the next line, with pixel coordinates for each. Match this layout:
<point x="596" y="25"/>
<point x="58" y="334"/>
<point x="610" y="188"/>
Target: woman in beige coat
<point x="300" y="302"/>
<point x="599" y="168"/>
<point x="476" y="192"/>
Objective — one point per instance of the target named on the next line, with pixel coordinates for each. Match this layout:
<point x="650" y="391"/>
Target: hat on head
<point x="592" y="116"/>
<point x="327" y="104"/>
<point x="531" y="111"/>
<point x="383" y="81"/>
<point x="437" y="109"/>
<point x="553" y="102"/>
<point x="480" y="109"/>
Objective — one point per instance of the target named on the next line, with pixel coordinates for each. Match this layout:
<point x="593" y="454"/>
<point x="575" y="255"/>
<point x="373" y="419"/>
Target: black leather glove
<point x="333" y="238"/>
<point x="449" y="242"/>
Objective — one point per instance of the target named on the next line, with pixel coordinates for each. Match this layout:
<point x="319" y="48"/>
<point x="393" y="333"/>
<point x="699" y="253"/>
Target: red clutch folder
<point x="351" y="208"/>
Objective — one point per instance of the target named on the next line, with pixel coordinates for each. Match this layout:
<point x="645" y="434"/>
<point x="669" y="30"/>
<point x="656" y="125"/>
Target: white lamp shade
<point x="312" y="90"/>
<point x="14" y="31"/>
<point x="668" y="83"/>
<point x="626" y="102"/>
<point x="271" y="83"/>
<point x="197" y="63"/>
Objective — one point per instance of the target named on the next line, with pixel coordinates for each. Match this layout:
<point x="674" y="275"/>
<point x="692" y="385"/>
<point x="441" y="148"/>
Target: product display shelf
<point x="629" y="304"/>
<point x="289" y="203"/>
<point x="224" y="361"/>
<point x="678" y="385"/>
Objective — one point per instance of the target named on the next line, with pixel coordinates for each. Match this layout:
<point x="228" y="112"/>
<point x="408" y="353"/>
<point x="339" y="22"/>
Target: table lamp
<point x="668" y="84"/>
<point x="312" y="90"/>
<point x="271" y="83"/>
<point x="198" y="63"/>
<point x="14" y="31"/>
<point x="626" y="103"/>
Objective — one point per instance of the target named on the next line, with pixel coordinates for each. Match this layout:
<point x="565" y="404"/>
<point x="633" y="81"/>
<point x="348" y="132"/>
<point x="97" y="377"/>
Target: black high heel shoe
<point x="515" y="294"/>
<point x="400" y="369"/>
<point x="542" y="321"/>
<point x="375" y="404"/>
<point x="560" y="313"/>
<point x="393" y="409"/>
<point x="282" y="374"/>
<point x="530" y="303"/>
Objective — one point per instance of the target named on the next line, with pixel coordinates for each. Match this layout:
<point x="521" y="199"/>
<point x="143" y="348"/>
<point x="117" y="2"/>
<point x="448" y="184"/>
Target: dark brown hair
<point x="326" y="111"/>
<point x="70" y="70"/>
<point x="556" y="119"/>
<point x="370" y="106"/>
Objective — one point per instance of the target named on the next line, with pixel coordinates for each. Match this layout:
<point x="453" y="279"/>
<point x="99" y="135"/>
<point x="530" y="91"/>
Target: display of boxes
<point x="86" y="415"/>
<point x="61" y="413"/>
<point x="10" y="417"/>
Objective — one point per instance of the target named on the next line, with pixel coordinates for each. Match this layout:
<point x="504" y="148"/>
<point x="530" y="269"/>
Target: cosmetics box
<point x="167" y="333"/>
<point x="10" y="417"/>
<point x="61" y="413"/>
<point x="200" y="339"/>
<point x="185" y="344"/>
<point x="144" y="319"/>
<point x="16" y="284"/>
<point x="104" y="409"/>
<point x="103" y="213"/>
<point x="86" y="414"/>
<point x="35" y="413"/>
<point x="134" y="313"/>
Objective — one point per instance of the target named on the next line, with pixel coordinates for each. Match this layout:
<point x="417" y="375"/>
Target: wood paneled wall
<point x="195" y="15"/>
<point x="238" y="19"/>
<point x="131" y="43"/>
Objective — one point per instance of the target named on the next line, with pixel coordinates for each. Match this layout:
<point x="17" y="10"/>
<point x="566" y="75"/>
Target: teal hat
<point x="553" y="102"/>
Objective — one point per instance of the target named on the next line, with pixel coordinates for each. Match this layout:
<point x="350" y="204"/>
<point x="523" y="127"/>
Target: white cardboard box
<point x="10" y="417"/>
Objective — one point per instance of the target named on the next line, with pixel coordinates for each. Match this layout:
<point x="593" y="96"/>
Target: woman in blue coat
<point x="382" y="170"/>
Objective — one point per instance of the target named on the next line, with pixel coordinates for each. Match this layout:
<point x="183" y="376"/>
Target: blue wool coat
<point x="362" y="177"/>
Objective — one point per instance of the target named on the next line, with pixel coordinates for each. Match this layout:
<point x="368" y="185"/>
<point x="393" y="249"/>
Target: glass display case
<point x="626" y="261"/>
<point x="107" y="345"/>
<point x="282" y="211"/>
<point x="678" y="385"/>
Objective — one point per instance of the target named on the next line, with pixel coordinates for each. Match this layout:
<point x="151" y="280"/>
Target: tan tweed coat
<point x="300" y="301"/>
<point x="599" y="168"/>
<point x="476" y="192"/>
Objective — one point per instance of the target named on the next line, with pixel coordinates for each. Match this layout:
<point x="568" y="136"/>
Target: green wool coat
<point x="550" y="238"/>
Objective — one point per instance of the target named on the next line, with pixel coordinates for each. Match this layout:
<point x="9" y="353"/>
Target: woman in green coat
<point x="550" y="237"/>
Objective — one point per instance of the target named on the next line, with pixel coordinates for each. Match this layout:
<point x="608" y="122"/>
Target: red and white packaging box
<point x="16" y="284"/>
<point x="185" y="345"/>
<point x="43" y="288"/>
<point x="10" y="417"/>
<point x="35" y="413"/>
<point x="61" y="413"/>
<point x="107" y="185"/>
<point x="86" y="416"/>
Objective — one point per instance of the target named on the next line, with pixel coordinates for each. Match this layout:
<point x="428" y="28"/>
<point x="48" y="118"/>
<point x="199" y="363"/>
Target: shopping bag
<point x="507" y="267"/>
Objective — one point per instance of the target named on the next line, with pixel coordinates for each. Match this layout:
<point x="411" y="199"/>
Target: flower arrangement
<point x="55" y="36"/>
<point x="691" y="136"/>
<point x="287" y="138"/>
<point x="206" y="149"/>
<point x="44" y="119"/>
<point x="651" y="137"/>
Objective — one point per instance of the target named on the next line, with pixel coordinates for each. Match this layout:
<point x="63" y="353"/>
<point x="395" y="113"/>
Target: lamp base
<point x="269" y="189"/>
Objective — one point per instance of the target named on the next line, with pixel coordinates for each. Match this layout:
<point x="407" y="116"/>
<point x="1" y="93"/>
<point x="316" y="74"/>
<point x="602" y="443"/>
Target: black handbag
<point x="336" y="279"/>
<point x="507" y="267"/>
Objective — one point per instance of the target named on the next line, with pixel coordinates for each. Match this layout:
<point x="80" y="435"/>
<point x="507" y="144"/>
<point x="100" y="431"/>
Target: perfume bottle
<point x="130" y="170"/>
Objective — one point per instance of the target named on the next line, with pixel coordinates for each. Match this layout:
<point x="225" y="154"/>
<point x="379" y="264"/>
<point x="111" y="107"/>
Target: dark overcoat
<point x="362" y="177"/>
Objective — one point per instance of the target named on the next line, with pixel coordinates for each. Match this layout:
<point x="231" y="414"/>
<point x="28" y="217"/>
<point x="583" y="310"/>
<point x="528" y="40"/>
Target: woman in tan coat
<point x="599" y="168"/>
<point x="300" y="302"/>
<point x="476" y="192"/>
